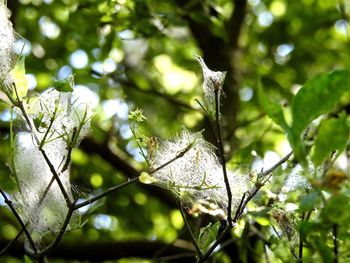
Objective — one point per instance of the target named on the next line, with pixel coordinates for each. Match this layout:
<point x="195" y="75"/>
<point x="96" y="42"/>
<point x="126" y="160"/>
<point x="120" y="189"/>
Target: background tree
<point x="127" y="54"/>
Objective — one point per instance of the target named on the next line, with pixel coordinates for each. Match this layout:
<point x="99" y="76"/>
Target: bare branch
<point x="110" y="250"/>
<point x="118" y="162"/>
<point x="130" y="181"/>
<point x="107" y="192"/>
<point x="221" y="154"/>
<point x="244" y="201"/>
<point x="60" y="234"/>
<point x="234" y="24"/>
<point x="193" y="238"/>
<point x="19" y="219"/>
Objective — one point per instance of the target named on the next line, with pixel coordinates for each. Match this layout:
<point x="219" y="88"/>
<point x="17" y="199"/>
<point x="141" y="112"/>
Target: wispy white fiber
<point x="7" y="39"/>
<point x="32" y="171"/>
<point x="197" y="177"/>
<point x="212" y="80"/>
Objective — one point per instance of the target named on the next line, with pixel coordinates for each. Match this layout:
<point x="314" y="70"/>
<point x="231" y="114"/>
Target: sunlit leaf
<point x="19" y="75"/>
<point x="145" y="178"/>
<point x="332" y="135"/>
<point x="208" y="235"/>
<point x="65" y="85"/>
<point x="318" y="96"/>
<point x="272" y="109"/>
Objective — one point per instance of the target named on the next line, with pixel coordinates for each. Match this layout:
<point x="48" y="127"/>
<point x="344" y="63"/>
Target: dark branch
<point x="234" y="25"/>
<point x="19" y="219"/>
<point x="335" y="242"/>
<point x="221" y="153"/>
<point x="92" y="147"/>
<point x="151" y="92"/>
<point x="193" y="238"/>
<point x="101" y="251"/>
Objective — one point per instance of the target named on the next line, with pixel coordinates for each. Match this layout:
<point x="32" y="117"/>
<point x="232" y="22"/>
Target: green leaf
<point x="309" y="201"/>
<point x="208" y="235"/>
<point x="27" y="259"/>
<point x="145" y="178"/>
<point x="306" y="227"/>
<point x="136" y="116"/>
<point x="332" y="135"/>
<point x="324" y="250"/>
<point x="19" y="74"/>
<point x="318" y="96"/>
<point x="65" y="85"/>
<point x="337" y="210"/>
<point x="272" y="109"/>
<point x="38" y="121"/>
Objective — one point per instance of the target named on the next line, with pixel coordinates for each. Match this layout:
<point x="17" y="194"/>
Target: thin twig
<point x="120" y="186"/>
<point x="335" y="242"/>
<point x="60" y="234"/>
<point x="239" y="208"/>
<point x="181" y="154"/>
<point x="244" y="201"/>
<point x="139" y="145"/>
<point x="105" y="193"/>
<point x="276" y="232"/>
<point x="177" y="256"/>
<point x="52" y="120"/>
<point x="216" y="243"/>
<point x="18" y="103"/>
<point x="301" y="244"/>
<point x="70" y="147"/>
<point x="150" y="92"/>
<point x="11" y="242"/>
<point x="275" y="166"/>
<point x="221" y="153"/>
<point x="249" y="121"/>
<point x="56" y="176"/>
<point x="193" y="238"/>
<point x="19" y="219"/>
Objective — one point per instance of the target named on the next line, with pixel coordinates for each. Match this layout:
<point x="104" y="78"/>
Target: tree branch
<point x="219" y="53"/>
<point x="92" y="147"/>
<point x="150" y="92"/>
<point x="101" y="251"/>
<point x="221" y="153"/>
<point x="19" y="219"/>
<point x="234" y="24"/>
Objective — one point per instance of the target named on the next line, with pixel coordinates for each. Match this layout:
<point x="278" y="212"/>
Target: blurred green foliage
<point x="128" y="54"/>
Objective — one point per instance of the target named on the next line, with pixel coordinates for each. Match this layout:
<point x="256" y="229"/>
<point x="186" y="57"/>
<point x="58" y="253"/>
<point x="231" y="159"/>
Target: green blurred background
<point x="126" y="54"/>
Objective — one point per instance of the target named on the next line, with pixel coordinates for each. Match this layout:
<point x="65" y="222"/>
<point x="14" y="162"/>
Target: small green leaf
<point x="19" y="75"/>
<point x="309" y="201"/>
<point x="332" y="135"/>
<point x="318" y="96"/>
<point x="208" y="235"/>
<point x="137" y="116"/>
<point x="38" y="123"/>
<point x="64" y="85"/>
<point x="272" y="109"/>
<point x="145" y="178"/>
<point x="263" y="221"/>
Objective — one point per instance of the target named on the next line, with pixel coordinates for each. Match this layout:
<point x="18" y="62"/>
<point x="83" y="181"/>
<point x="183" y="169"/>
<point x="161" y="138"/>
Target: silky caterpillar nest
<point x="46" y="216"/>
<point x="196" y="177"/>
<point x="7" y="40"/>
